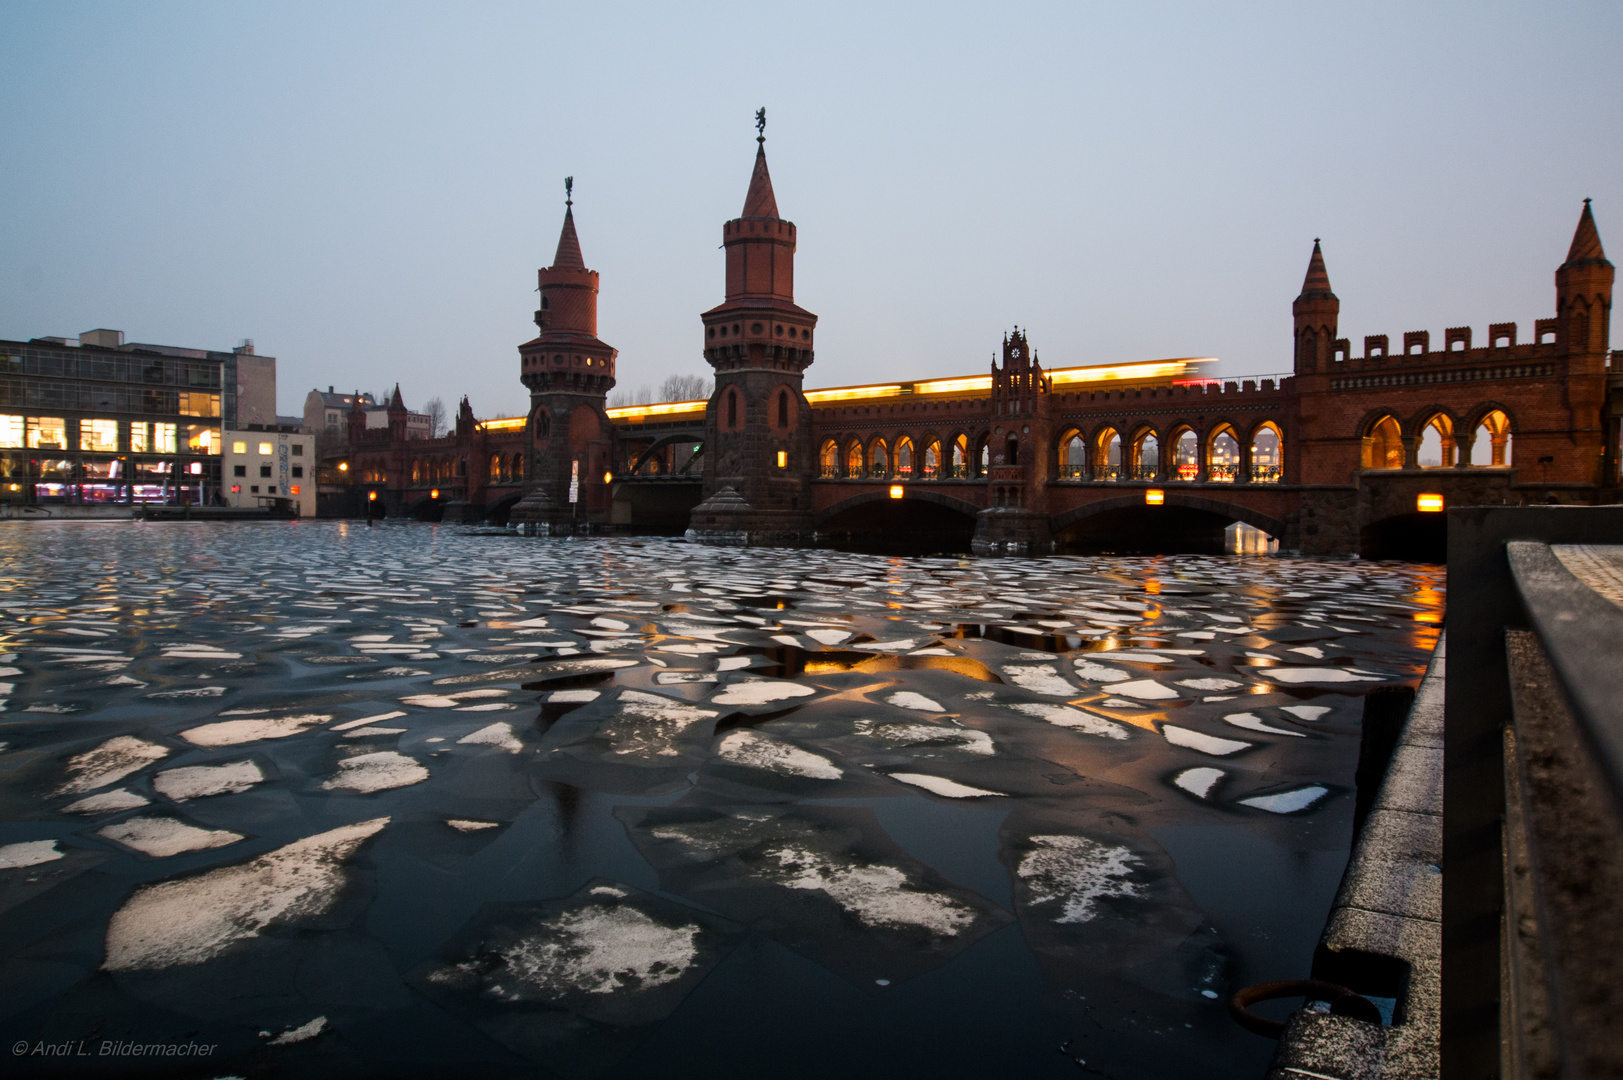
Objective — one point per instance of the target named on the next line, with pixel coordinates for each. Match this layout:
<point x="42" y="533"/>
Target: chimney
<point x="246" y="348"/>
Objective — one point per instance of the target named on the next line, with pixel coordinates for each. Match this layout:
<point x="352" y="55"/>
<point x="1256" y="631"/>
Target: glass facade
<point x="131" y="424"/>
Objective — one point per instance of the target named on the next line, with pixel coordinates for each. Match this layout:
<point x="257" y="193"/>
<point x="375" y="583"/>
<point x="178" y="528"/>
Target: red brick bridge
<point x="1332" y="457"/>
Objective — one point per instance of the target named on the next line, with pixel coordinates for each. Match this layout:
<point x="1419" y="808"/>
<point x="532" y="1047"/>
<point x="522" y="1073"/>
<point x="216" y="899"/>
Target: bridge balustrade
<point x="1107" y="472"/>
<point x="1265" y="474"/>
<point x="1073" y="472"/>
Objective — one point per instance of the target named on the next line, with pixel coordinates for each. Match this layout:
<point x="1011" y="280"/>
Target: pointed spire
<point x="1586" y="240"/>
<point x="760" y="202"/>
<point x="395" y="402"/>
<point x="1317" y="282"/>
<point x="568" y="255"/>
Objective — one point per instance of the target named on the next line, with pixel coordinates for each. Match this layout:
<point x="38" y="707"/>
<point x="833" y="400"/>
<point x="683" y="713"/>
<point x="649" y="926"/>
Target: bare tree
<point x="436" y="417"/>
<point x="684" y="388"/>
<point x="642" y="395"/>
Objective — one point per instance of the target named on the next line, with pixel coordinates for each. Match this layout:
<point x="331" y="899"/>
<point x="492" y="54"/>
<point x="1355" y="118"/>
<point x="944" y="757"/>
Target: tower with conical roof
<point x="569" y="373"/>
<point x="1316" y="311"/>
<point x="758" y="440"/>
<point x="1583" y="295"/>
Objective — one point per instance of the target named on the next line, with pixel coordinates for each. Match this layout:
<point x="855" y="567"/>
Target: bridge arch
<point x="1232" y="511"/>
<point x="496" y="513"/>
<point x="925" y="521"/>
<point x="1382" y="441"/>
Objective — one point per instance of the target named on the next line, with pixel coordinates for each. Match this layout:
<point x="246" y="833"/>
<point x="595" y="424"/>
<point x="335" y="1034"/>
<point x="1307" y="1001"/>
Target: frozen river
<point x="346" y="801"/>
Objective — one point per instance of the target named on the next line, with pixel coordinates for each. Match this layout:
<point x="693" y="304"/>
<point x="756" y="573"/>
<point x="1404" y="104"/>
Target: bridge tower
<point x="758" y="451"/>
<point x="1583" y="297"/>
<point x="1016" y="522"/>
<point x="1316" y="311"/>
<point x="569" y="372"/>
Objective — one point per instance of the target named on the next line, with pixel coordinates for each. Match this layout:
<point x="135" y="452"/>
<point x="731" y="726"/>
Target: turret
<point x="1583" y="292"/>
<point x="1315" y="313"/>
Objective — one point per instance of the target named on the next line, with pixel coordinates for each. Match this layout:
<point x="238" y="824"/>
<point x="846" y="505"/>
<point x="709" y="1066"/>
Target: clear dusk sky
<point x="366" y="190"/>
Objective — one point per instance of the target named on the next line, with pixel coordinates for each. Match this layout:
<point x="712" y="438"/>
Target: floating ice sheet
<point x="197" y="781"/>
<point x="108" y="763"/>
<point x="162" y="837"/>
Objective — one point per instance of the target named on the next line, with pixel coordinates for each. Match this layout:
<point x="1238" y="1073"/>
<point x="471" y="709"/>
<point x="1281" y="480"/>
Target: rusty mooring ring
<point x="1343" y="1002"/>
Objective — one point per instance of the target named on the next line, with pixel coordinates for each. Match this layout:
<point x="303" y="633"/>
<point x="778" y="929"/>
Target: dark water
<point x="420" y="799"/>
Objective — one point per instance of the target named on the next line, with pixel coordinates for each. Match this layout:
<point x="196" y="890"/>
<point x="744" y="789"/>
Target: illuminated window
<point x="1490" y="443"/>
<point x="265" y="449"/>
<point x="1225" y="457"/>
<point x="1267" y="462"/>
<point x="1147" y="457"/>
<point x="1383" y="446"/>
<point x="199" y="404"/>
<point x="295" y="489"/>
<point x="47" y="433"/>
<point x="11" y="432"/>
<point x="1073" y="458"/>
<point x="202" y="440"/>
<point x="1186" y="455"/>
<point x="783" y="459"/>
<point x="196" y="468"/>
<point x="99" y="435"/>
<point x="239" y="448"/>
<point x="163" y="439"/>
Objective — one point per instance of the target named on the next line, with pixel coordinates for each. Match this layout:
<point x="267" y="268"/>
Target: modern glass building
<point x="100" y="421"/>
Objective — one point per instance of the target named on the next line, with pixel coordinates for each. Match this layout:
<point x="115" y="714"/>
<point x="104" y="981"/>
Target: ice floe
<point x="193" y="919"/>
<point x="1144" y="690"/>
<point x="757" y="751"/>
<point x="1039" y="679"/>
<point x="1092" y="672"/>
<point x="1067" y="717"/>
<point x="1306" y="712"/>
<point x="1294" y="675"/>
<point x="468" y="826"/>
<point x="108" y="763"/>
<point x="28" y="853"/>
<point x="908" y="699"/>
<point x="1253" y="722"/>
<point x="1199" y="740"/>
<point x="1199" y="781"/>
<point x="381" y="770"/>
<point x="499" y="735"/>
<point x="300" y="1033"/>
<point x="760" y="692"/>
<point x="940" y="785"/>
<point x="197" y="781"/>
<point x="1076" y="872"/>
<point x="1287" y="802"/>
<point x="236" y="732"/>
<point x="108" y="802"/>
<point x="162" y="837"/>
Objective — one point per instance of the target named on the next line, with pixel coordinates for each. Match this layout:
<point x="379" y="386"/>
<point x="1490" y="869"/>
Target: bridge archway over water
<point x="1183" y="524"/>
<point x="1413" y="537"/>
<point x="497" y="512"/>
<point x="919" y="523"/>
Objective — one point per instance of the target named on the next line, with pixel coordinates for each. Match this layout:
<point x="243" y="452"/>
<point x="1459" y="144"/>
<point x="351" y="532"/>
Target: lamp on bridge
<point x="434" y="494"/>
<point x="343" y="466"/>
<point x="371" y="496"/>
<point x="896" y="491"/>
<point x="1154" y="496"/>
<point x="608" y="478"/>
<point x="1429" y="503"/>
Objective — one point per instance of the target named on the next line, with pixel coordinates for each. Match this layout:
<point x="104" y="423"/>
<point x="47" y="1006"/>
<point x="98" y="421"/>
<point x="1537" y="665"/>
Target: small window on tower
<point x="783" y="408"/>
<point x="543" y="303"/>
<point x="732" y="408"/>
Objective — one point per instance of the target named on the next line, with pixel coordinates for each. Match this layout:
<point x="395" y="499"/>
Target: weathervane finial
<point x="760" y="125"/>
<point x="569" y="191"/>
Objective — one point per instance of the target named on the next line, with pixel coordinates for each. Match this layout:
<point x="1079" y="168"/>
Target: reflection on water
<point x="479" y="799"/>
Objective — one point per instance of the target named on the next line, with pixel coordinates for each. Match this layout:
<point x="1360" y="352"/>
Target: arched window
<point x="516" y="473"/>
<point x="495" y="468"/>
<point x="1267" y="458"/>
<point x="853" y="460"/>
<point x="878" y="459"/>
<point x="958" y="466"/>
<point x="1147" y="457"/>
<point x="983" y="460"/>
<point x="1436" y="449"/>
<point x="1490" y="443"/>
<point x="1107" y="455"/>
<point x="783" y="408"/>
<point x="1011" y="450"/>
<point x="904" y="458"/>
<point x="1225" y="457"/>
<point x="930" y="467"/>
<point x="1073" y="457"/>
<point x="416" y="472"/>
<point x="828" y="460"/>
<point x="1383" y="446"/>
<point x="1186" y="455"/>
<point x="732" y="408"/>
